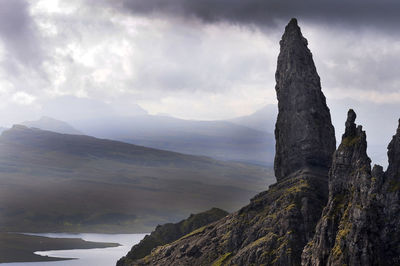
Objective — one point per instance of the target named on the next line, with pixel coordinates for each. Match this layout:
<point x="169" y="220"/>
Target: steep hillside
<point x="278" y="223"/>
<point x="60" y="182"/>
<point x="167" y="233"/>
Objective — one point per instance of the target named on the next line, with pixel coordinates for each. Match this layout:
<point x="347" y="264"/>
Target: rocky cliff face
<point x="170" y="232"/>
<point x="274" y="228"/>
<point x="304" y="133"/>
<point x="360" y="221"/>
<point x="271" y="230"/>
<point x="360" y="224"/>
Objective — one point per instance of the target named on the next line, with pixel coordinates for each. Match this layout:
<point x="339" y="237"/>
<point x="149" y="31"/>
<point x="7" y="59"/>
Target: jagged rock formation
<point x="271" y="230"/>
<point x="389" y="199"/>
<point x="277" y="224"/>
<point x="304" y="133"/>
<point x="170" y="232"/>
<point x="360" y="224"/>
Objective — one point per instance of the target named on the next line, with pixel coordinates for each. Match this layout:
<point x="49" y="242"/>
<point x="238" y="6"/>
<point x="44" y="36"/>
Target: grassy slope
<point x="170" y="232"/>
<point x="20" y="248"/>
<point x="56" y="182"/>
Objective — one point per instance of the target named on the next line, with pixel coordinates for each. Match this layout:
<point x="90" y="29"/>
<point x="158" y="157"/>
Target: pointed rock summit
<point x="274" y="228"/>
<point x="305" y="137"/>
<point x="360" y="221"/>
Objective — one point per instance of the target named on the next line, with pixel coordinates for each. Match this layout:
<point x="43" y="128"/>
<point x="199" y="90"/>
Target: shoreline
<point x="21" y="247"/>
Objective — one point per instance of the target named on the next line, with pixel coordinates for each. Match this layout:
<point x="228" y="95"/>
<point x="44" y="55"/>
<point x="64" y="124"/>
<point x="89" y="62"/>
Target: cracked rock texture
<point x="304" y="133"/>
<point x="361" y="223"/>
<point x="303" y="220"/>
<point x="167" y="233"/>
<point x="274" y="228"/>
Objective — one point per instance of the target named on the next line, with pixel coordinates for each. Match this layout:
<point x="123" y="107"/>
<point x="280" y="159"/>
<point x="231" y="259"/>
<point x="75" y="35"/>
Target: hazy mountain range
<point x="233" y="139"/>
<point x="245" y="139"/>
<point x="61" y="182"/>
<point x="51" y="124"/>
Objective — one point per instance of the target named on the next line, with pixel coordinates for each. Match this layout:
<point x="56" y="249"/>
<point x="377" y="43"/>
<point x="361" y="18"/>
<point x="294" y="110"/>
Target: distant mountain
<point x="60" y="182"/>
<point x="263" y="119"/>
<point x="218" y="139"/>
<point x="51" y="124"/>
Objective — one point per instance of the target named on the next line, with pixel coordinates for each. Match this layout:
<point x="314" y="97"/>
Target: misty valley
<point x="186" y="132"/>
<point x="56" y="179"/>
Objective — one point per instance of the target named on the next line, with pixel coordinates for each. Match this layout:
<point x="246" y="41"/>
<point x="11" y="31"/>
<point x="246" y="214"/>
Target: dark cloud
<point x="268" y="12"/>
<point x="19" y="35"/>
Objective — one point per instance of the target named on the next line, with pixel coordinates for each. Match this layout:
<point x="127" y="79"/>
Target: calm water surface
<point x="87" y="257"/>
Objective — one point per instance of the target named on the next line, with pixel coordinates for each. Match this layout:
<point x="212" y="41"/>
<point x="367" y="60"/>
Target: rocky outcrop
<point x="167" y="233"/>
<point x="304" y="133"/>
<point x="274" y="228"/>
<point x="348" y="188"/>
<point x="361" y="223"/>
<point x="271" y="230"/>
<point x="389" y="199"/>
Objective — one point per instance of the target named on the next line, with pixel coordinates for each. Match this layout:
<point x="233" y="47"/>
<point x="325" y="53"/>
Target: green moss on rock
<point x="222" y="260"/>
<point x="168" y="233"/>
<point x="350" y="141"/>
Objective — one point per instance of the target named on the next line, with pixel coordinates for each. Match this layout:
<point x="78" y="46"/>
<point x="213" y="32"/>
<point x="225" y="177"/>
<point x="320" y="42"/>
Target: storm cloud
<point x="193" y="59"/>
<point x="19" y="34"/>
<point x="266" y="13"/>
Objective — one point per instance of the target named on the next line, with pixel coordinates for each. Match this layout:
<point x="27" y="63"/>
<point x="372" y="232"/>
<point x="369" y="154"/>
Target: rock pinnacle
<point x="305" y="137"/>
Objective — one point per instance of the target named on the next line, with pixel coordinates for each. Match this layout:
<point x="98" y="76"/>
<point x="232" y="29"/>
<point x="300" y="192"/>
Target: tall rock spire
<point x="274" y="228"/>
<point x="305" y="137"/>
<point x="360" y="224"/>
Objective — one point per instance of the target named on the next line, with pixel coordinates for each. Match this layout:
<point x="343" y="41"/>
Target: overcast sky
<point x="194" y="59"/>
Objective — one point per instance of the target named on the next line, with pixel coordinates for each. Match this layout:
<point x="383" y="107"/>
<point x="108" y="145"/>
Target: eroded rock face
<point x="271" y="230"/>
<point x="389" y="199"/>
<point x="360" y="224"/>
<point x="274" y="228"/>
<point x="304" y="133"/>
